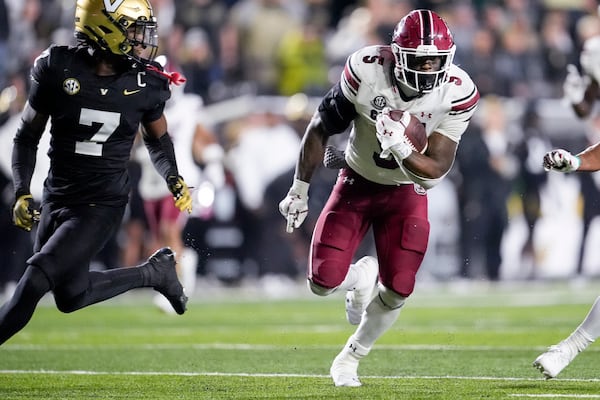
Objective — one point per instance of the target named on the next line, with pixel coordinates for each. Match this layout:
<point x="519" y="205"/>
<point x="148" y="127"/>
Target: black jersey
<point x="94" y="121"/>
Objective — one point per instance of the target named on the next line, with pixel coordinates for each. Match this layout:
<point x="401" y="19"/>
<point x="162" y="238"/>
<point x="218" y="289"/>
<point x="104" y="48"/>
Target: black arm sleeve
<point x="336" y="111"/>
<point x="24" y="154"/>
<point x="162" y="154"/>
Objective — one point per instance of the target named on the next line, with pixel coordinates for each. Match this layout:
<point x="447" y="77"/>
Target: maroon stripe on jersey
<point x="465" y="111"/>
<point x="466" y="102"/>
<point x="351" y="78"/>
<point x="426" y="24"/>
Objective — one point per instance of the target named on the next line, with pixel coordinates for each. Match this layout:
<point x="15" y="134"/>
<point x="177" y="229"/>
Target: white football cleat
<point x="358" y="299"/>
<point x="344" y="370"/>
<point x="553" y="361"/>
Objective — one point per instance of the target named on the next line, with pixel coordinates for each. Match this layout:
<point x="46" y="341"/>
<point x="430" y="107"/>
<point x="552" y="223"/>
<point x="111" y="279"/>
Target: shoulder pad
<point x="372" y="60"/>
<point x="54" y="54"/>
<point x="463" y="94"/>
<point x="366" y="65"/>
<point x="371" y="56"/>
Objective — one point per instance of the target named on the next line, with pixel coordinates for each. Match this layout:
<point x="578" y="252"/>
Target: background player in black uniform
<point x="96" y="95"/>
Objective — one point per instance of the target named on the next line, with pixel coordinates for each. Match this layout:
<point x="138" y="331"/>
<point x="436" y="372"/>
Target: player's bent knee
<point x="66" y="306"/>
<point x="319" y="290"/>
<point x="34" y="284"/>
<point x="390" y="299"/>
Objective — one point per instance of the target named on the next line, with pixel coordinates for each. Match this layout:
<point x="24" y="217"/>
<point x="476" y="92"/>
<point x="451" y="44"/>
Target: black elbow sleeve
<point x="23" y="158"/>
<point x="336" y="111"/>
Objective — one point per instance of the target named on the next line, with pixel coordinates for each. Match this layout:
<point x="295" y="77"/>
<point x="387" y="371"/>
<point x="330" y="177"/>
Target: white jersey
<point x="368" y="82"/>
<point x="590" y="57"/>
<point x="183" y="114"/>
<point x="42" y="164"/>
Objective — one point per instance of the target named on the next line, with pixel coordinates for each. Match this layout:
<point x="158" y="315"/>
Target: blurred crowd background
<point x="256" y="70"/>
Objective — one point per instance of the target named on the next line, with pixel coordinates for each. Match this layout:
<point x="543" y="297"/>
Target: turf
<point x="467" y="343"/>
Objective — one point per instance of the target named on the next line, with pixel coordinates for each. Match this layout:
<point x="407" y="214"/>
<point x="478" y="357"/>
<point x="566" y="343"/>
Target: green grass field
<point x="449" y="343"/>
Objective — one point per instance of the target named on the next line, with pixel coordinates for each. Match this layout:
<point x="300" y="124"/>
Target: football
<point x="415" y="131"/>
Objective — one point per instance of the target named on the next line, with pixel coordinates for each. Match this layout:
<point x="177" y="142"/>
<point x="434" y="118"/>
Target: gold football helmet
<point x="122" y="27"/>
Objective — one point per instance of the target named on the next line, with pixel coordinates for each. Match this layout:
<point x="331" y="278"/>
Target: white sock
<point x="376" y="320"/>
<point x="575" y="343"/>
<point x="355" y="349"/>
<point x="590" y="326"/>
<point x="586" y="332"/>
<point x="188" y="265"/>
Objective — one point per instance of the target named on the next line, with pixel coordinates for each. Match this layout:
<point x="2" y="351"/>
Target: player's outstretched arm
<point x="564" y="161"/>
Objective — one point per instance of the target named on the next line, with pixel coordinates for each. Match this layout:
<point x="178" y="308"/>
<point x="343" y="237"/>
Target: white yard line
<point x="263" y="347"/>
<point x="554" y="396"/>
<point x="261" y="375"/>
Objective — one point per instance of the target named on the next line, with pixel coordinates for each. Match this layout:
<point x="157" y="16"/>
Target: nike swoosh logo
<point x="127" y="92"/>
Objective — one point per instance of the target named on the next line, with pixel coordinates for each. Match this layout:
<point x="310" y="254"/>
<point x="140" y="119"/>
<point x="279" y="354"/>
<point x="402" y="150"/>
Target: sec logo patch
<point x="71" y="86"/>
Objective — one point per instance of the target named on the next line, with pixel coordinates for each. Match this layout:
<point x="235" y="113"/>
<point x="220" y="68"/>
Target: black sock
<point x="17" y="312"/>
<point x="103" y="285"/>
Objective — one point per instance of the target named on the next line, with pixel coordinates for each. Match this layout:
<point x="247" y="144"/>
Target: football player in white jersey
<point x="581" y="91"/>
<point x="384" y="186"/>
<point x="165" y="222"/>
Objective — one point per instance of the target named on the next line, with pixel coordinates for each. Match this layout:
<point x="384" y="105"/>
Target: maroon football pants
<point x="398" y="216"/>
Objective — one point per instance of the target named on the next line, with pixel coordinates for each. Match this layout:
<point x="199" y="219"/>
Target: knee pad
<point x="319" y="290"/>
<point x="389" y="298"/>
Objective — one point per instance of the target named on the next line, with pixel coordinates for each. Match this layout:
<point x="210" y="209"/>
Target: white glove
<point x="575" y="85"/>
<point x="391" y="136"/>
<point x="590" y="57"/>
<point x="295" y="205"/>
<point x="561" y="160"/>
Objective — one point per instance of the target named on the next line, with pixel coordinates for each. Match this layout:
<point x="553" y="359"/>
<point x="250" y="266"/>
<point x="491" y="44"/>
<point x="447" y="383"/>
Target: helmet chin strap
<point x="406" y="92"/>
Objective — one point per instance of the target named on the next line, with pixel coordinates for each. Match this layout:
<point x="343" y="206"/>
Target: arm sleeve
<point x="162" y="155"/>
<point x="27" y="138"/>
<point x="24" y="154"/>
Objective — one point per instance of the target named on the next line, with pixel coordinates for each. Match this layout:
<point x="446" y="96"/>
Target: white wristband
<point x="576" y="163"/>
<point x="300" y="187"/>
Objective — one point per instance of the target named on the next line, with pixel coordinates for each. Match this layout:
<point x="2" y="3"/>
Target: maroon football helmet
<point x="420" y="35"/>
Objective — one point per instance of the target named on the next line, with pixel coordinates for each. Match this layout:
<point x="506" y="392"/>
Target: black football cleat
<point x="163" y="278"/>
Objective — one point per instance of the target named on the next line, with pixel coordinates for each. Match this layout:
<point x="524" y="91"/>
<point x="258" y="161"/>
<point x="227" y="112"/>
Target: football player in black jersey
<point x="97" y="95"/>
